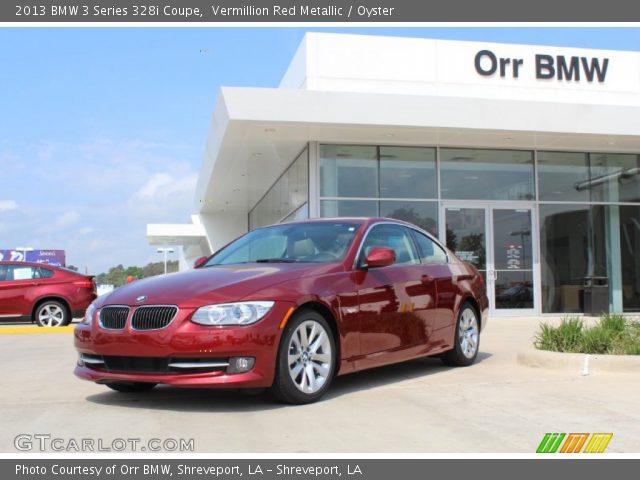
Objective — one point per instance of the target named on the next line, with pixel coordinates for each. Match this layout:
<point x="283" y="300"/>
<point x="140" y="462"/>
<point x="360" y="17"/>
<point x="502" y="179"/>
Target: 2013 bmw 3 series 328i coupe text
<point x="288" y="307"/>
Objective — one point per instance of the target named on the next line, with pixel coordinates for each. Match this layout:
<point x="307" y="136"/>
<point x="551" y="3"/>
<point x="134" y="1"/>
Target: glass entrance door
<point x="498" y="242"/>
<point x="512" y="260"/>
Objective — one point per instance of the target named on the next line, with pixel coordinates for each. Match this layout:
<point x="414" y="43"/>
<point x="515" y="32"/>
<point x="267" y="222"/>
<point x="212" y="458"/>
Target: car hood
<point x="201" y="286"/>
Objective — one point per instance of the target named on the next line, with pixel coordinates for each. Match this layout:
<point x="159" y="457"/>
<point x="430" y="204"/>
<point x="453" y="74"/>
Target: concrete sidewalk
<point x="421" y="406"/>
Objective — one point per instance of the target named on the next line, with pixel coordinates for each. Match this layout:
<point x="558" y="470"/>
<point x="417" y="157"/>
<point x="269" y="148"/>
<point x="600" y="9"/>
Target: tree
<point x="117" y="275"/>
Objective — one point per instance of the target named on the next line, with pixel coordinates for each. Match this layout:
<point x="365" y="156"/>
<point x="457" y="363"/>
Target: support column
<point x="614" y="258"/>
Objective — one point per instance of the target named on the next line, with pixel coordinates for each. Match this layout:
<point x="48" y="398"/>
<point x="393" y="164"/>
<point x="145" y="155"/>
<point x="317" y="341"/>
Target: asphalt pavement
<point x="496" y="405"/>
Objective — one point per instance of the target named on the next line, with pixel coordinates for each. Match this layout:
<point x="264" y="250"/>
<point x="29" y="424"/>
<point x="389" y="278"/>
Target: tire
<point x="466" y="338"/>
<point x="306" y="360"/>
<point x="134" y="387"/>
<point x="52" y="313"/>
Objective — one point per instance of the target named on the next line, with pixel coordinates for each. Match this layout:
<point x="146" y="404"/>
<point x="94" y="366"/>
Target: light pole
<point x="24" y="251"/>
<point x="165" y="251"/>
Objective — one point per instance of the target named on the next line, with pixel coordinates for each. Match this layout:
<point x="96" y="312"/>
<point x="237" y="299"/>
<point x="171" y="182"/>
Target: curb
<point x="35" y="330"/>
<point x="580" y="363"/>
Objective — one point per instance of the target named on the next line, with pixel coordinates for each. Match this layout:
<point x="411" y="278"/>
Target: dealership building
<point x="523" y="159"/>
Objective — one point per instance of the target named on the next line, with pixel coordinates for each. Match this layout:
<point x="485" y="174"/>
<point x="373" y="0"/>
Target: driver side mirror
<point x="199" y="262"/>
<point x="380" y="257"/>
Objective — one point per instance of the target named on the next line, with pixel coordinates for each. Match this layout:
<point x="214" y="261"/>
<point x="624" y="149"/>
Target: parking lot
<point x="496" y="405"/>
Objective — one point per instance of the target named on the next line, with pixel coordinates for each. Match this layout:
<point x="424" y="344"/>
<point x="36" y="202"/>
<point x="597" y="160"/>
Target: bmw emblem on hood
<point x="141" y="298"/>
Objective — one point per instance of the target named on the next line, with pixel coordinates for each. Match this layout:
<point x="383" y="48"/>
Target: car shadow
<point x="222" y="400"/>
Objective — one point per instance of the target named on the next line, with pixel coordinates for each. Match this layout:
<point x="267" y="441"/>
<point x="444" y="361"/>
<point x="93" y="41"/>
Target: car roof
<point x="32" y="264"/>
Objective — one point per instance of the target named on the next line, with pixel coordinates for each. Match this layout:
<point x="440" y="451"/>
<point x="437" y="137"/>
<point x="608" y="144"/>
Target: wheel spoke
<point x="311" y="377"/>
<point x="319" y="342"/>
<point x="321" y="357"/>
<point x="295" y="371"/>
<point x="293" y="358"/>
<point x="322" y="370"/>
<point x="312" y="334"/>
<point x="304" y="338"/>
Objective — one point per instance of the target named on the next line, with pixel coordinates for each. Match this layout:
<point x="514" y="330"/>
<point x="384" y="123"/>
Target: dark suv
<point x="49" y="296"/>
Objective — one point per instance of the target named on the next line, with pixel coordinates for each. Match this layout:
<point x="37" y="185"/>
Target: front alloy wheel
<point x="52" y="314"/>
<point x="306" y="359"/>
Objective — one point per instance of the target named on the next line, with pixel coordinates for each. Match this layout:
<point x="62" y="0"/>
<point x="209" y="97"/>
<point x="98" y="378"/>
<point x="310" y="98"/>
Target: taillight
<point x="84" y="283"/>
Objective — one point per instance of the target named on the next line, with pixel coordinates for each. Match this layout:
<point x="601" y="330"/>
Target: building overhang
<point x="256" y="133"/>
<point x="179" y="234"/>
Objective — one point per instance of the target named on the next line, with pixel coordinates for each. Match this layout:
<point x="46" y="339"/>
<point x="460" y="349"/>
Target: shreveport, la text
<point x="44" y="442"/>
<point x="191" y="471"/>
<point x="309" y="10"/>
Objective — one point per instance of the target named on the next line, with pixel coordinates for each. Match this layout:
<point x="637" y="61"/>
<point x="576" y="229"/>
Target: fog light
<point x="240" y="364"/>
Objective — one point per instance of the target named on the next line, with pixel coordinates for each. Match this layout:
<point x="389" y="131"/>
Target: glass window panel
<point x="562" y="176"/>
<point x="348" y="171"/>
<point x="614" y="178"/>
<point x="629" y="248"/>
<point x="422" y="214"/>
<point x="514" y="289"/>
<point x="408" y="172"/>
<point x="285" y="196"/>
<point x="512" y="248"/>
<point x="564" y="256"/>
<point x="486" y="174"/>
<point x="349" y="208"/>
<point x="466" y="235"/>
<point x="430" y="251"/>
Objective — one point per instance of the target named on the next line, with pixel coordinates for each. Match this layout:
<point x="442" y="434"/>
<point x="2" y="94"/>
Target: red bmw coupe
<point x="288" y="307"/>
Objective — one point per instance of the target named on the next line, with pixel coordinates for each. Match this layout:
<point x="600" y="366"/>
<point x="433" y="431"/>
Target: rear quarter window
<point x="44" y="273"/>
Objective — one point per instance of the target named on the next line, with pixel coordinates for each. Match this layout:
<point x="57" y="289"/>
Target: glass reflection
<point x="348" y="171"/>
<point x="408" y="172"/>
<point x="562" y="176"/>
<point x="422" y="214"/>
<point x="486" y="174"/>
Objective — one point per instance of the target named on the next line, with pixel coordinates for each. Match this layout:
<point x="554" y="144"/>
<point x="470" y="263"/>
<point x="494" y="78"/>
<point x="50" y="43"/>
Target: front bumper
<point x="184" y="339"/>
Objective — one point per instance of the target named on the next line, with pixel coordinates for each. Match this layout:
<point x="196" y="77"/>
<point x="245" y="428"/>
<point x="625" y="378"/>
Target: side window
<point x="44" y="273"/>
<point x="19" y="272"/>
<point x="392" y="236"/>
<point x="430" y="251"/>
<point x="3" y="272"/>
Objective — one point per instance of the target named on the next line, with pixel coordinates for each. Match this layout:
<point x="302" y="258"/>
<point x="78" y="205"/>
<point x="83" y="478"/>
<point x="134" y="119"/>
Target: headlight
<point x="240" y="313"/>
<point x="88" y="314"/>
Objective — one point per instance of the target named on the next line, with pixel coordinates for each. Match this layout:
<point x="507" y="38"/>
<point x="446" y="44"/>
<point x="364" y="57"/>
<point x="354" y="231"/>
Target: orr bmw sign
<point x="544" y="67"/>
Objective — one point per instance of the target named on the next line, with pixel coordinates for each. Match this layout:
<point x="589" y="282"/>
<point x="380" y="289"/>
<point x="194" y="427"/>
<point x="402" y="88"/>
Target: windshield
<point x="321" y="242"/>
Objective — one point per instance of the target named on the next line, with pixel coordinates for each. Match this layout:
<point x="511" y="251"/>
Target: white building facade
<point x="523" y="159"/>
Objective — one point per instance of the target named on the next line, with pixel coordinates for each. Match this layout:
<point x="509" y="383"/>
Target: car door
<point x="16" y="282"/>
<point x="438" y="274"/>
<point x="393" y="300"/>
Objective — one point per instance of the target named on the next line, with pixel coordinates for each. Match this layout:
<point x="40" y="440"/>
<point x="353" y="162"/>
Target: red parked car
<point x="288" y="307"/>
<point x="49" y="296"/>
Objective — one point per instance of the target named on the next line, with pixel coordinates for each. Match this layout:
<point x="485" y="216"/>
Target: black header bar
<point x="317" y="11"/>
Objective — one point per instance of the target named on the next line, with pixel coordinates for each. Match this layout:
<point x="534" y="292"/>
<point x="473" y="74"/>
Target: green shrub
<point x="614" y="322"/>
<point x="564" y="338"/>
<point x="597" y="339"/>
<point x="613" y="334"/>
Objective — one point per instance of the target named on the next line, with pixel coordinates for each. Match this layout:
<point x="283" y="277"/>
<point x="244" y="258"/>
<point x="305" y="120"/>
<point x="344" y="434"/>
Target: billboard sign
<point x="51" y="257"/>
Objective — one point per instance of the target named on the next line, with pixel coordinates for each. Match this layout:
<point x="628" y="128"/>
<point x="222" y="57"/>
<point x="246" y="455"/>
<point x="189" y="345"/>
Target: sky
<point x="102" y="130"/>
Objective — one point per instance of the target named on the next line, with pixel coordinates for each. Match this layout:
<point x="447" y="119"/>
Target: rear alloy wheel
<point x="52" y="314"/>
<point x="306" y="359"/>
<point x="132" y="387"/>
<point x="467" y="339"/>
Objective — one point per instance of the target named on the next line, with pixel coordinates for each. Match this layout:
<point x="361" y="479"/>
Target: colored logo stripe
<point x="574" y="442"/>
<point x="550" y="443"/>
<point x="598" y="442"/>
